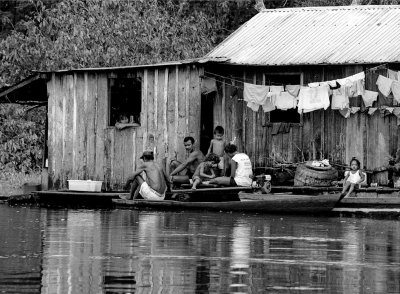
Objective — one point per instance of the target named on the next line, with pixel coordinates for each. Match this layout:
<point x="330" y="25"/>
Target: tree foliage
<point x="21" y="138"/>
<point x="96" y="33"/>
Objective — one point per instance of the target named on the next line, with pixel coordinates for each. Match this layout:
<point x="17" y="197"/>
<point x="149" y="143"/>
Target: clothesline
<point x="239" y="80"/>
<point x="315" y="95"/>
<point x="381" y="66"/>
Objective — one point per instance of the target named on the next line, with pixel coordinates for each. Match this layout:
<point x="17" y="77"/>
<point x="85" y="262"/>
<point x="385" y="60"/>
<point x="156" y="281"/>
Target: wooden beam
<point x="20" y="85"/>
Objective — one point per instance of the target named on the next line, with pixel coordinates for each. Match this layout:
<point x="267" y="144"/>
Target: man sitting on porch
<point x="149" y="180"/>
<point x="183" y="172"/>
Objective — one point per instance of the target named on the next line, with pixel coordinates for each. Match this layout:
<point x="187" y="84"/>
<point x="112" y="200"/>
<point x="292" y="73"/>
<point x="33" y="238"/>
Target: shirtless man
<point x="187" y="168"/>
<point x="149" y="180"/>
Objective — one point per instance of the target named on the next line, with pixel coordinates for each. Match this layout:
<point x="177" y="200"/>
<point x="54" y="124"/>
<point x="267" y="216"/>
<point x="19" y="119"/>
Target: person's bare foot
<point x="125" y="197"/>
<point x="194" y="188"/>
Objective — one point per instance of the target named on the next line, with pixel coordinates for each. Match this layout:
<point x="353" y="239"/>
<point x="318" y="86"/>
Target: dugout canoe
<point x="284" y="203"/>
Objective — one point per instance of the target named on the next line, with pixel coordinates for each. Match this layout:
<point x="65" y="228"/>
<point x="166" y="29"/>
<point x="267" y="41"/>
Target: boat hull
<point x="282" y="203"/>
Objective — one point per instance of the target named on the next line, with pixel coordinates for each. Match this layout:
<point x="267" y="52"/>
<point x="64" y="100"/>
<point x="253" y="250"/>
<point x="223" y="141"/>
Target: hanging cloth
<point x="354" y="109"/>
<point x="311" y="99"/>
<point x="396" y="90"/>
<point x="255" y="95"/>
<point x="285" y="101"/>
<point x="276" y="89"/>
<point x="390" y="109"/>
<point x="371" y="110"/>
<point x="384" y="85"/>
<point x="356" y="84"/>
<point x="269" y="104"/>
<point x="293" y="90"/>
<point x="345" y="112"/>
<point x="208" y="85"/>
<point x="313" y="85"/>
<point x="369" y="97"/>
<point x="394" y="75"/>
<point x="339" y="99"/>
<point x="396" y="112"/>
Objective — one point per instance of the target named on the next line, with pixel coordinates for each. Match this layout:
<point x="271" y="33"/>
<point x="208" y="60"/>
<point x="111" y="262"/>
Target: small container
<point x="87" y="186"/>
<point x="374" y="185"/>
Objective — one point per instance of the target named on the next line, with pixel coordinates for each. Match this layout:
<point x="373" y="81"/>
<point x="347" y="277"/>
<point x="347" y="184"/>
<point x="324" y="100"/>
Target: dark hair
<point x="356" y="160"/>
<point x="219" y="130"/>
<point x="230" y="148"/>
<point x="147" y="155"/>
<point x="188" y="138"/>
<point x="212" y="157"/>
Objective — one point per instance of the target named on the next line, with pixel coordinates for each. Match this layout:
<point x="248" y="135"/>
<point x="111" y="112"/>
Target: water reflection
<point x="121" y="251"/>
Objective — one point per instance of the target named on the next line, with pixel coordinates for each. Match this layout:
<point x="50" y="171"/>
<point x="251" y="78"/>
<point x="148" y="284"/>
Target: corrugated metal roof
<point x="316" y="35"/>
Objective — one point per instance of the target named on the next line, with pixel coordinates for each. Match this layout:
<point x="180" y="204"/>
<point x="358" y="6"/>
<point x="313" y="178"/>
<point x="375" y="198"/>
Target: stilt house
<point x="101" y="119"/>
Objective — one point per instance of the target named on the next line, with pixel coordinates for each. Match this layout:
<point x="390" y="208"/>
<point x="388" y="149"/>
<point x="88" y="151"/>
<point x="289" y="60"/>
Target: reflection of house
<point x="282" y="46"/>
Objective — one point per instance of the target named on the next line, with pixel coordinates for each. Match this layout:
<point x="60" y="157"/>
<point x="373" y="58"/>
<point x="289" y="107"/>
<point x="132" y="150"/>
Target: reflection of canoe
<point x="271" y="203"/>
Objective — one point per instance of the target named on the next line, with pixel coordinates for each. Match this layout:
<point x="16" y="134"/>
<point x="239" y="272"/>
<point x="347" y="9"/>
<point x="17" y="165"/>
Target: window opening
<point x="125" y="101"/>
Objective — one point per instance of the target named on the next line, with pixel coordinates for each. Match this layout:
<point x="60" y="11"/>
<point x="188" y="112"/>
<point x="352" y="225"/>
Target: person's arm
<point x="204" y="175"/>
<point x="233" y="168"/>
<point x="167" y="181"/>
<point x="210" y="148"/>
<point x="134" y="175"/>
<point x="361" y="176"/>
<point x="212" y="176"/>
<point x="346" y="176"/>
<point x="192" y="157"/>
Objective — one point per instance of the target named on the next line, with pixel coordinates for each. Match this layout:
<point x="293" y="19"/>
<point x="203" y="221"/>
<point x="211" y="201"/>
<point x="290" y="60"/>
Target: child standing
<point x="217" y="145"/>
<point x="353" y="177"/>
<point x="205" y="171"/>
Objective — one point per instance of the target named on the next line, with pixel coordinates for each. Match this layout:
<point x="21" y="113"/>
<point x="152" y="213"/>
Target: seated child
<point x="353" y="177"/>
<point x="206" y="170"/>
<point x="217" y="146"/>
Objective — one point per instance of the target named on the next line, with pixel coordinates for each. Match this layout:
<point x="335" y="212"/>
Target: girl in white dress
<point x="353" y="177"/>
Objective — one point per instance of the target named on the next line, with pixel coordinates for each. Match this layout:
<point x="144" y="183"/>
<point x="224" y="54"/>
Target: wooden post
<point x="223" y="105"/>
<point x="75" y="115"/>
<point x="143" y="121"/>
<point x="244" y="120"/>
<point x="187" y="96"/>
<point x="176" y="107"/>
<point x="254" y="127"/>
<point x="165" y="103"/>
<point x="155" y="98"/>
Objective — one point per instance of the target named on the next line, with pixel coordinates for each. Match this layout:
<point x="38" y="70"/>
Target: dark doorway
<point x="206" y="121"/>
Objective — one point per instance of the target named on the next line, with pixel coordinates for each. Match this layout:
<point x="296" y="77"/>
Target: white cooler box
<point x="88" y="186"/>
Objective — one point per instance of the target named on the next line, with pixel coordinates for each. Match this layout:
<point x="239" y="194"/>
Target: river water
<point x="122" y="251"/>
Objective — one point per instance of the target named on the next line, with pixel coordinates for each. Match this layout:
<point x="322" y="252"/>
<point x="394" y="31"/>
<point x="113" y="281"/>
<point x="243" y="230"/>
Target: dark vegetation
<point x="55" y="34"/>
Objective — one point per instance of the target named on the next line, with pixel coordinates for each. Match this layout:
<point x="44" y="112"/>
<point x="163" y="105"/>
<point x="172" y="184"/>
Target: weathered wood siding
<point x="321" y="134"/>
<point x="82" y="145"/>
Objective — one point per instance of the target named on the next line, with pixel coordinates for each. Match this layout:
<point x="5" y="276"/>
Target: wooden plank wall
<point x="322" y="134"/>
<point x="81" y="144"/>
<point x="252" y="130"/>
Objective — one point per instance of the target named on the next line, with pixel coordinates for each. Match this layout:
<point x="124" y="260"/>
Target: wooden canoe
<point x="249" y="202"/>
